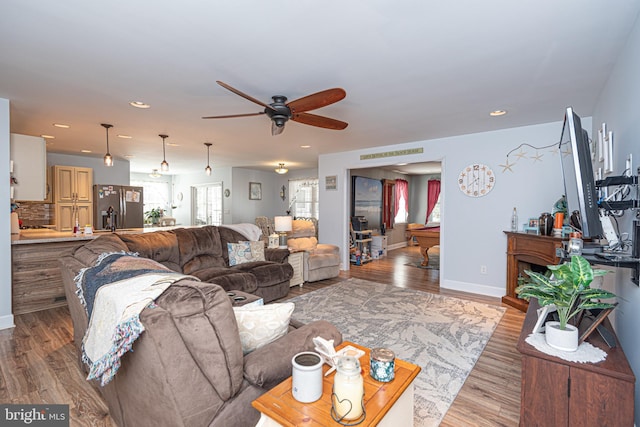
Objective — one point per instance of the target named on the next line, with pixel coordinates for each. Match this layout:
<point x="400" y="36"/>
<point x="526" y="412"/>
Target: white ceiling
<point x="412" y="70"/>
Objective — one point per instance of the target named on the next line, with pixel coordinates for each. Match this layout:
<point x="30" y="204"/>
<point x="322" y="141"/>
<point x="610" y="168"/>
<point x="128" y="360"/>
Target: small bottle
<point x="76" y="227"/>
<point x="514" y="220"/>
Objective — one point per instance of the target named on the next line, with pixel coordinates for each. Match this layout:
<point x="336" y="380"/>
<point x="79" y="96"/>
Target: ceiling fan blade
<point x="275" y="129"/>
<point x="234" y="115"/>
<point x="244" y="95"/>
<point x="319" y="121"/>
<point x="317" y="100"/>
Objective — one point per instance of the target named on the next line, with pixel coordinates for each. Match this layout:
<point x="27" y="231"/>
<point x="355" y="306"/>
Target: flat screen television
<point x="577" y="171"/>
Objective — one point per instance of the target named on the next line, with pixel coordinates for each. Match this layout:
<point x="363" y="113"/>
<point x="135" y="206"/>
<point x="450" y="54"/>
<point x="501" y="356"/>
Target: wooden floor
<point x="38" y="362"/>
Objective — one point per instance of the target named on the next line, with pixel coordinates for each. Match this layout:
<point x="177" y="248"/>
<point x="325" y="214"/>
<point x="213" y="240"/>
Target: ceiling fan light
<point x="281" y="169"/>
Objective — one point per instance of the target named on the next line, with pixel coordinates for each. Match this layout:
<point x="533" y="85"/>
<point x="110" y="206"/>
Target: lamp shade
<point x="283" y="223"/>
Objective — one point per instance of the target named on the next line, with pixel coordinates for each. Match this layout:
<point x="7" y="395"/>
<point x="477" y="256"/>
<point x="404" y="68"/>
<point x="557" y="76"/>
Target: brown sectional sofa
<point x="188" y="368"/>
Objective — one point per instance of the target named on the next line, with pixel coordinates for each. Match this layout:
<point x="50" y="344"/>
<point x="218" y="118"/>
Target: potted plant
<point x="153" y="216"/>
<point x="568" y="288"/>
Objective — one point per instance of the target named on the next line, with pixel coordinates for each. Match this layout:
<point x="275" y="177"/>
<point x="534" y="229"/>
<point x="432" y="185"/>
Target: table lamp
<point x="283" y="224"/>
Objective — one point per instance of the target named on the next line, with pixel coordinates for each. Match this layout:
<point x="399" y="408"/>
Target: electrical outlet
<point x="628" y="165"/>
<point x="483" y="269"/>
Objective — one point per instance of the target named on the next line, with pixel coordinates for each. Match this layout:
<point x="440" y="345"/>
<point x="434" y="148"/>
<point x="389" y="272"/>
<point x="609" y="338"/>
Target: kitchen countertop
<point x="43" y="235"/>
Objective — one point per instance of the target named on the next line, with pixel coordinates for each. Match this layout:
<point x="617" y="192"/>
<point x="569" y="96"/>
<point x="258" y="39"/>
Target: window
<point x="435" y="214"/>
<point x="401" y="196"/>
<point x="206" y="204"/>
<point x="303" y="198"/>
<point x="156" y="194"/>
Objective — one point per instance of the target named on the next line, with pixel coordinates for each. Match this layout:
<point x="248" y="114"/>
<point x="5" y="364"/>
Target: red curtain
<point x="433" y="192"/>
<point x="401" y="190"/>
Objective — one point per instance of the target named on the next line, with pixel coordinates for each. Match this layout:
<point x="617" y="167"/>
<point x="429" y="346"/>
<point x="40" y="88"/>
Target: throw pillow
<point x="242" y="252"/>
<point x="239" y="253"/>
<point x="260" y="325"/>
<point x="257" y="250"/>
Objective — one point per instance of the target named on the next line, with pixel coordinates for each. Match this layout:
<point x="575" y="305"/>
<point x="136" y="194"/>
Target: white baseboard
<point x="396" y="246"/>
<point x="473" y="288"/>
<point x="6" y="322"/>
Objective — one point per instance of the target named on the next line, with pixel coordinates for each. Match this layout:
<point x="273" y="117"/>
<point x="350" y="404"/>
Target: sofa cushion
<point x="266" y="273"/>
<point x="160" y="246"/>
<point x="199" y="248"/>
<point x="302" y="244"/>
<point x="302" y="228"/>
<point x="106" y="243"/>
<point x="262" y="324"/>
<point x="229" y="279"/>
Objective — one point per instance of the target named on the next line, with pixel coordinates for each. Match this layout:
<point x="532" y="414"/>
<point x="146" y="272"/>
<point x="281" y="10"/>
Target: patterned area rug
<point x="443" y="335"/>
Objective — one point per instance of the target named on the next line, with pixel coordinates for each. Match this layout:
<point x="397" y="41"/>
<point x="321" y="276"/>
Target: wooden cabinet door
<point x="84" y="184"/>
<point x="85" y="213"/>
<point x="65" y="216"/>
<point x="545" y="398"/>
<point x="64" y="184"/>
<point x="599" y="400"/>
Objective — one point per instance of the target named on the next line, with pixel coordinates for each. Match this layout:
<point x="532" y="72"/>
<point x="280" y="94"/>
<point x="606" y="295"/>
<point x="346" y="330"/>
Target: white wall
<point x="619" y="107"/>
<point x="245" y="210"/>
<point x="182" y="184"/>
<point x="6" y="318"/>
<point x="471" y="229"/>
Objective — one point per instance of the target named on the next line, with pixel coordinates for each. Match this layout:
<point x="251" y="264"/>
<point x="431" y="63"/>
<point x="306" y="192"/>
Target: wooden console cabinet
<point x="523" y="251"/>
<point x="556" y="392"/>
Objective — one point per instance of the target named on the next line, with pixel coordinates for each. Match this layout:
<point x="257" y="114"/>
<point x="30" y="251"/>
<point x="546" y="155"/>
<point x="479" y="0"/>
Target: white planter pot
<point x="565" y="340"/>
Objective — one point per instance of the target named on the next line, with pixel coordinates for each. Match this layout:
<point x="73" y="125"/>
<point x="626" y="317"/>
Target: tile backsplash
<point x="34" y="213"/>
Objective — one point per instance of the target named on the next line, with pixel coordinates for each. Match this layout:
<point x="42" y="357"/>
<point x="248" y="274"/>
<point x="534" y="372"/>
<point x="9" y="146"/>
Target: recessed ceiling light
<point x="61" y="125"/>
<point x="125" y="136"/>
<point x="85" y="151"/>
<point x="173" y="144"/>
<point x="496" y="113"/>
<point x="305" y="146"/>
<point x="47" y="136"/>
<point x="139" y="104"/>
<point x="402" y="164"/>
<point x="129" y="156"/>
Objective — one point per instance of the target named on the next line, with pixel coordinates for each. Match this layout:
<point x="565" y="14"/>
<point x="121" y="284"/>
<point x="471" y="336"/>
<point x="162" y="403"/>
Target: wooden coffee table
<point x="386" y="404"/>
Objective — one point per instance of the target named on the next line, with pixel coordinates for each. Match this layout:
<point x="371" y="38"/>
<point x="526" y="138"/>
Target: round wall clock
<point x="476" y="180"/>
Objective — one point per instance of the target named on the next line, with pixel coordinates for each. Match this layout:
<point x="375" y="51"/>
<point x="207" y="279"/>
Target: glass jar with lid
<point x="348" y="390"/>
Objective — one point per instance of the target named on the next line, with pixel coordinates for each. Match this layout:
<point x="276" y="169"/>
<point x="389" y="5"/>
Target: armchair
<point x="321" y="261"/>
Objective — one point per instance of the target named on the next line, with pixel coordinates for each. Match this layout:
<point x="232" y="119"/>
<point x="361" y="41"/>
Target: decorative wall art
<point x="255" y="191"/>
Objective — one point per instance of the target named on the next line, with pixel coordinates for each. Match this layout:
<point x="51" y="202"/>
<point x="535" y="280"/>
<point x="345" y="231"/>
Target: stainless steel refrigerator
<point x="120" y="205"/>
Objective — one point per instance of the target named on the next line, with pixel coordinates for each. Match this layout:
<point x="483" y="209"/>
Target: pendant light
<point x="207" y="170"/>
<point x="164" y="166"/>
<point x="108" y="160"/>
<point x="281" y="169"/>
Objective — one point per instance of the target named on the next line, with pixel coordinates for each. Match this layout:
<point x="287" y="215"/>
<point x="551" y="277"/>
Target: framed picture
<point x="331" y="182"/>
<point x="533" y="222"/>
<point x="255" y="191"/>
<point x="543" y="312"/>
<point x="593" y="319"/>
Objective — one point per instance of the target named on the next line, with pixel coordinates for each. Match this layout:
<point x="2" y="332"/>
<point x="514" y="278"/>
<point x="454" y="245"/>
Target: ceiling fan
<point x="280" y="111"/>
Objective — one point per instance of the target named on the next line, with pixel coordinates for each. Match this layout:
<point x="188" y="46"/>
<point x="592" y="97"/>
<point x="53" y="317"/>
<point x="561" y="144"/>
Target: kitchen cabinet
<point x="556" y="392"/>
<point x="29" y="157"/>
<point x="73" y="184"/>
<point x="73" y="195"/>
<point x="66" y="214"/>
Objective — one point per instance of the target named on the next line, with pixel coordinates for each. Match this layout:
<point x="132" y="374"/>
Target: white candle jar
<point x="348" y="390"/>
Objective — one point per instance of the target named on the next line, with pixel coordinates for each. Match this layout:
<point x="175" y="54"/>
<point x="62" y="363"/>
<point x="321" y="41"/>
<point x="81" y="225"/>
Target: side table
<point x="296" y="259"/>
<point x="386" y="404"/>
